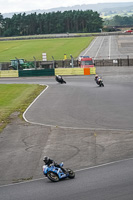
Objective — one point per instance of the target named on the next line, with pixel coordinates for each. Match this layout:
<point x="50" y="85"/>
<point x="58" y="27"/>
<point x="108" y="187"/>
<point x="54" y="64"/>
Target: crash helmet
<point x="45" y="159"/>
<point x="96" y="76"/>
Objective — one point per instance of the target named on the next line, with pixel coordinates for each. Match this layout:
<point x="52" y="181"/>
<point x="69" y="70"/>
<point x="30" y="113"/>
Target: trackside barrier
<point x="92" y="70"/>
<point x="48" y="72"/>
<point x="69" y="71"/>
<point x="75" y="71"/>
<point x="42" y="72"/>
<point x="86" y="71"/>
<point x="9" y="73"/>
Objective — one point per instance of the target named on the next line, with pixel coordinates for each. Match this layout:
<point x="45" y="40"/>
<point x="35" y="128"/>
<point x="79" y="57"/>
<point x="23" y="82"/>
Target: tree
<point x="54" y="22"/>
<point x="1" y="24"/>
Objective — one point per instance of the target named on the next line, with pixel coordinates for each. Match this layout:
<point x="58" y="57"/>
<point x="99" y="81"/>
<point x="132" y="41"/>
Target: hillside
<point x="105" y="9"/>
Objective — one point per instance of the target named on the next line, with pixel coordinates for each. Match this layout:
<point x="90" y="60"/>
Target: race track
<point x="82" y="104"/>
<point x="108" y="182"/>
<point x="85" y="126"/>
<point x="110" y="47"/>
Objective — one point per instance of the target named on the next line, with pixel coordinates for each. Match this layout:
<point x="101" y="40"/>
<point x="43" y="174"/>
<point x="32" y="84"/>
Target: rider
<point x="97" y="78"/>
<point x="59" y="77"/>
<point x="50" y="162"/>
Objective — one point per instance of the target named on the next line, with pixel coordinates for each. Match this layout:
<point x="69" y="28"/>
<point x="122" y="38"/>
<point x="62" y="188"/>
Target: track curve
<point x="82" y="104"/>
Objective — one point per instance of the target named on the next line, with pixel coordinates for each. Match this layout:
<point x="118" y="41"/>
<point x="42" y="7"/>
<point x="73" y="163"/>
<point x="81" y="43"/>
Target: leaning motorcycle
<point x="55" y="173"/>
<point x="100" y="82"/>
<point x="59" y="79"/>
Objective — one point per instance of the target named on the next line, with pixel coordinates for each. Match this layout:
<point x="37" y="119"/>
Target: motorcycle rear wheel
<point x="71" y="173"/>
<point x="101" y="84"/>
<point x="53" y="176"/>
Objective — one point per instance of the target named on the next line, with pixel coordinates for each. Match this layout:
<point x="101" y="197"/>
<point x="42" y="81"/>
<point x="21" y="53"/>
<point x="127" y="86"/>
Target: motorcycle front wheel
<point x="71" y="173"/>
<point x="52" y="176"/>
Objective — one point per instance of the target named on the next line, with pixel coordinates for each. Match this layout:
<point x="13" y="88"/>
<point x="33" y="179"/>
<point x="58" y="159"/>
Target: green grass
<point x="52" y="47"/>
<point x="16" y="97"/>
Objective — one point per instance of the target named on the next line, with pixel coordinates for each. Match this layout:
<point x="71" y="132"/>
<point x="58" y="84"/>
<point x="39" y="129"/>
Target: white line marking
<point x="105" y="164"/>
<point x="109" y="47"/>
<point x="74" y="128"/>
<point x="32" y="104"/>
<point x="88" y="168"/>
<point x="99" y="48"/>
<point x="90" y="46"/>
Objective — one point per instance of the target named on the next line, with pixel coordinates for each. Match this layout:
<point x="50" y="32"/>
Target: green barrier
<point x="45" y="72"/>
<point x="92" y="70"/>
<point x="9" y="73"/>
<point x="41" y="72"/>
<point x="69" y="71"/>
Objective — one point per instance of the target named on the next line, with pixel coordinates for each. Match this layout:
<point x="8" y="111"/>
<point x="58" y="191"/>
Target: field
<point x="28" y="49"/>
<point x="16" y="97"/>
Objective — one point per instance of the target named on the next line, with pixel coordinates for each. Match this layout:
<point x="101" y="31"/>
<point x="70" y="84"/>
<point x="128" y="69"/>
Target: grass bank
<point x="52" y="47"/>
<point x="16" y="97"/>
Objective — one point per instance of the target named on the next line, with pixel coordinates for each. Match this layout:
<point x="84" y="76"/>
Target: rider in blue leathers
<point x="50" y="162"/>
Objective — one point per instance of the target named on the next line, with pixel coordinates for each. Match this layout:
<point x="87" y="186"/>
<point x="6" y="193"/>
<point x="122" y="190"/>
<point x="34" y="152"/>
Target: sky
<point x="8" y="6"/>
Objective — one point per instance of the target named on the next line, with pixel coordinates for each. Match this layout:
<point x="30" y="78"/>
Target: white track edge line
<point x="33" y="103"/>
<point x="65" y="127"/>
<point x="88" y="168"/>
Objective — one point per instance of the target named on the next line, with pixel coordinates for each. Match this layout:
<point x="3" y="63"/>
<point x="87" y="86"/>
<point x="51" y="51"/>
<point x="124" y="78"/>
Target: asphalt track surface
<point x="113" y="181"/>
<point x="110" y="47"/>
<point x="81" y="104"/>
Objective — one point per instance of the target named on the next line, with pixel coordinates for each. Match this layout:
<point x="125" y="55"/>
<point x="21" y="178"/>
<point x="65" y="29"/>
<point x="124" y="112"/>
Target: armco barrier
<point x="42" y="72"/>
<point x="9" y="73"/>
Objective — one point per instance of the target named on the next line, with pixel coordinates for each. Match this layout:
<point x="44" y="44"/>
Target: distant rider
<point x="58" y="77"/>
<point x="97" y="79"/>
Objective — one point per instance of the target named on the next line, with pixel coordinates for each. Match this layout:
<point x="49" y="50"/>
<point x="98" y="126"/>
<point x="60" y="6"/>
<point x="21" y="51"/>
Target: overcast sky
<point x="7" y="6"/>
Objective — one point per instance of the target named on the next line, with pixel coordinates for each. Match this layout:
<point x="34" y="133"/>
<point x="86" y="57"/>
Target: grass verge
<point x="26" y="49"/>
<point x="16" y="98"/>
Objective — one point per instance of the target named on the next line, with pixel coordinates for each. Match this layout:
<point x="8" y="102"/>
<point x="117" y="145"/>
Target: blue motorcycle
<point x="56" y="173"/>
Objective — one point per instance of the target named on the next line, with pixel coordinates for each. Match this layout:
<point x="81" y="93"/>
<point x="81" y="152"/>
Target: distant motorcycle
<point x="99" y="82"/>
<point x="59" y="79"/>
<point x="55" y="173"/>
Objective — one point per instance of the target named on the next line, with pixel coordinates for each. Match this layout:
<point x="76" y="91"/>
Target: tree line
<point x="48" y="23"/>
<point x="119" y="21"/>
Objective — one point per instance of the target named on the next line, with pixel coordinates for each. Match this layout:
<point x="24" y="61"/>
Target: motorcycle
<point x="59" y="79"/>
<point x="99" y="82"/>
<point x="56" y="173"/>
